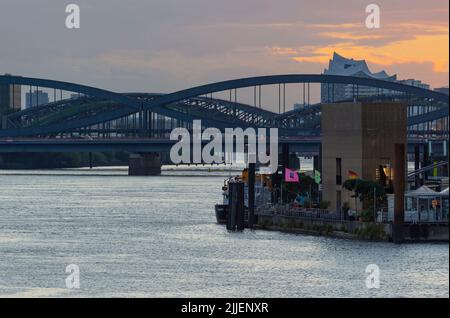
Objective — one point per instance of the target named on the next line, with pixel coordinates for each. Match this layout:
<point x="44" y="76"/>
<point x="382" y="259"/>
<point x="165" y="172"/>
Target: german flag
<point x="352" y="175"/>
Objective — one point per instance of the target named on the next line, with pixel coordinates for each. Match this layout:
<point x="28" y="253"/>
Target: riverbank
<point x="367" y="231"/>
<point x="298" y="231"/>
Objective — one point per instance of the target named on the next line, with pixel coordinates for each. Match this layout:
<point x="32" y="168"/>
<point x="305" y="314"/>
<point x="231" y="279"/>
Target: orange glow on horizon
<point x="407" y="43"/>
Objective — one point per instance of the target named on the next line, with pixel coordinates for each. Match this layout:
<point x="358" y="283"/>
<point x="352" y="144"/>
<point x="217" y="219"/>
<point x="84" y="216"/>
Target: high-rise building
<point x="36" y="98"/>
<point x="10" y="98"/>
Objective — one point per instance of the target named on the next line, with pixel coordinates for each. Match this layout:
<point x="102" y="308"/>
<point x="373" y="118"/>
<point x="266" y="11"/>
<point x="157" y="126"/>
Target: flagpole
<point x="310" y="197"/>
<point x="374" y="203"/>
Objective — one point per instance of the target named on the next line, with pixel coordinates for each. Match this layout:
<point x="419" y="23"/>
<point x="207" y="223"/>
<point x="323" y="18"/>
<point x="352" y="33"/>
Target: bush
<point x="367" y="215"/>
<point x="265" y="223"/>
<point x="372" y="232"/>
<point x="329" y="229"/>
<point x="285" y="225"/>
<point x="324" y="205"/>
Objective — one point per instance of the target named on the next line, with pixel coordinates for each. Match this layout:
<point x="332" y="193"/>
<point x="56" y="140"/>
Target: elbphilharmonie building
<point x="340" y="65"/>
<point x="343" y="66"/>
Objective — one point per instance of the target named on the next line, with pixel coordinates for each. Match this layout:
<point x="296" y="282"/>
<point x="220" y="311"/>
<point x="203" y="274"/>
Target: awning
<point x="423" y="191"/>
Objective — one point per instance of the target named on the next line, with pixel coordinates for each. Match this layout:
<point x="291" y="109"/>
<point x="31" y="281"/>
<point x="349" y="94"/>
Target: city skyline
<point x="200" y="42"/>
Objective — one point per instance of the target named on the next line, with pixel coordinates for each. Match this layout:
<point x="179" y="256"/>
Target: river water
<point x="157" y="237"/>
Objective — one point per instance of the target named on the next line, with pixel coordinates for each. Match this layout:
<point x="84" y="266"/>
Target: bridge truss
<point x="98" y="113"/>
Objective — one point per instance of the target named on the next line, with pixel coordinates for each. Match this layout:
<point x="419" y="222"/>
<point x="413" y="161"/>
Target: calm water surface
<point x="157" y="237"/>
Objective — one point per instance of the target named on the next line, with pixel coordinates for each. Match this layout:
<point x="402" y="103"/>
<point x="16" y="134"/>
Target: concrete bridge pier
<point x="144" y="164"/>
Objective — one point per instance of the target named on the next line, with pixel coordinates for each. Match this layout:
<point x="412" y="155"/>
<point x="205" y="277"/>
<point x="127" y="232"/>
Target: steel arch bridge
<point x="105" y="113"/>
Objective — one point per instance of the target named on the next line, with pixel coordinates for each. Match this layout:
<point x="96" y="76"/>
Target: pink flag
<point x="290" y="175"/>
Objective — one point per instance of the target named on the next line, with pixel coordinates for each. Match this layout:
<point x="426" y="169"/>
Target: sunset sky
<point x="166" y="45"/>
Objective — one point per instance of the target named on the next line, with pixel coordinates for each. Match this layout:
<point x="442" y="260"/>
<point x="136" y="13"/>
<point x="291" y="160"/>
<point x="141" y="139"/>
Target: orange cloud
<point x="350" y="36"/>
<point x="422" y="49"/>
<point x="430" y="45"/>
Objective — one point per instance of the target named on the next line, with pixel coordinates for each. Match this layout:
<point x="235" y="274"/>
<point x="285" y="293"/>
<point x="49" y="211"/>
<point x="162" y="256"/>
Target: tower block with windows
<point x="359" y="142"/>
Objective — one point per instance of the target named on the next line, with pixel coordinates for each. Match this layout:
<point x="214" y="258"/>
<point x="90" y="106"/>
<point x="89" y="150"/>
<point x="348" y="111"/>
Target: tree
<point x="292" y="189"/>
<point x="364" y="191"/>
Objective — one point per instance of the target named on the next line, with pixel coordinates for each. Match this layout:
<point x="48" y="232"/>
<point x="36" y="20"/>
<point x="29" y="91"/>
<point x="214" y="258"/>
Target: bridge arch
<point x="70" y="87"/>
<point x="132" y="105"/>
<point x="298" y="78"/>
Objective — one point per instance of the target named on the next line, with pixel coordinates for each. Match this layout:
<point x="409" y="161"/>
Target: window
<point x="338" y="171"/>
<point x="338" y="201"/>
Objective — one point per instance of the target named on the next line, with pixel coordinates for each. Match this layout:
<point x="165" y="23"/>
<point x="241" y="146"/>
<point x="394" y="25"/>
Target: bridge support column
<point x="146" y="164"/>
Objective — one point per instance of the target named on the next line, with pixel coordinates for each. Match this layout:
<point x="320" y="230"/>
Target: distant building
<point x="358" y="142"/>
<point x="10" y="98"/>
<point x="36" y="98"/>
<point x="342" y="66"/>
<point x="442" y="124"/>
<point x="299" y="106"/>
<point x="76" y="96"/>
<point x="416" y="83"/>
<point x="443" y="90"/>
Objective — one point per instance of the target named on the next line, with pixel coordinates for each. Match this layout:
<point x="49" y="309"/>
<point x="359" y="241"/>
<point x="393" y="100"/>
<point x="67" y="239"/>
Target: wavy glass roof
<point x="340" y="65"/>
